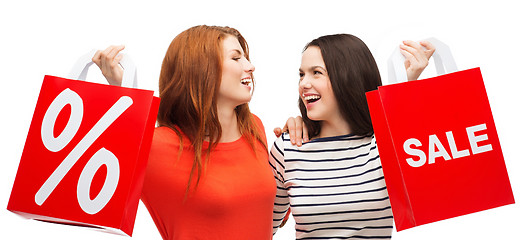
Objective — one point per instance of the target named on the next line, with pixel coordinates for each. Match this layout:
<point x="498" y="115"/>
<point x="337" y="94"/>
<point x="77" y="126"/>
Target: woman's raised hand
<point x="416" y="57"/>
<point x="108" y="62"/>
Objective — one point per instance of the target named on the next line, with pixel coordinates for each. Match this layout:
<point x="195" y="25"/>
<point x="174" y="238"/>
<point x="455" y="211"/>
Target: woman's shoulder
<point x="339" y="143"/>
<point x="343" y="138"/>
<point x="165" y="143"/>
<point x="284" y="141"/>
<point x="257" y="121"/>
<point x="167" y="136"/>
<point x="259" y="127"/>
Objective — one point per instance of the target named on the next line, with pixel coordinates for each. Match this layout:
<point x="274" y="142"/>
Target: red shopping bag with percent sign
<point x="438" y="144"/>
<point x="86" y="152"/>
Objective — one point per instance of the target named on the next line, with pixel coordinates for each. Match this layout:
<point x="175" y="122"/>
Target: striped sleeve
<point x="281" y="202"/>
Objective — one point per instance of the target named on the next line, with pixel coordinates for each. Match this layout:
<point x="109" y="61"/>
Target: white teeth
<point x="311" y="97"/>
<point x="246" y="81"/>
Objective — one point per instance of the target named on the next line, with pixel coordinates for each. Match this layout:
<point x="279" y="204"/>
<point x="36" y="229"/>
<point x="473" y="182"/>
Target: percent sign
<point x="101" y="157"/>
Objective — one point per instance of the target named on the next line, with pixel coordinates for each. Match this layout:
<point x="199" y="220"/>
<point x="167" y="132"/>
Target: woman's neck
<point x="229" y="124"/>
<point x="333" y="128"/>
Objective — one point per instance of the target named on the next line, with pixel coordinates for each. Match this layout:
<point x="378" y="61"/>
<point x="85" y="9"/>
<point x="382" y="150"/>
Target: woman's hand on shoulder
<point x="108" y="62"/>
<point x="416" y="57"/>
<point x="297" y="131"/>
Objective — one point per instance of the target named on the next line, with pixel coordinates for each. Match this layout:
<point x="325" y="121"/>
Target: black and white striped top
<point x="334" y="187"/>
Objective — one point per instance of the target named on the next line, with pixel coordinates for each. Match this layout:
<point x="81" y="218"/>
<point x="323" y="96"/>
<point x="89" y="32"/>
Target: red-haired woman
<point x="208" y="175"/>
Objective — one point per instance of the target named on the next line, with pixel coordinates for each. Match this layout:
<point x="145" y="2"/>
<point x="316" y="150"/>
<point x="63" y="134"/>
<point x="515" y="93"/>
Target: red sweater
<point x="234" y="198"/>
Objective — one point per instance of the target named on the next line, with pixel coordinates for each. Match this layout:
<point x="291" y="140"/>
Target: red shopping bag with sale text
<point x="438" y="145"/>
<point x="86" y="152"/>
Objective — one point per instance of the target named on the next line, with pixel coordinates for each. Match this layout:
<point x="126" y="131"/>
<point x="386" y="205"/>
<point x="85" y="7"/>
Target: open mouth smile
<point x="311" y="98"/>
<point x="246" y="81"/>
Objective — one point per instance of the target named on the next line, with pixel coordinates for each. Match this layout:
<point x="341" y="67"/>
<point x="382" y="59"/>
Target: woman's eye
<point x="301" y="75"/>
<point x="317" y="72"/>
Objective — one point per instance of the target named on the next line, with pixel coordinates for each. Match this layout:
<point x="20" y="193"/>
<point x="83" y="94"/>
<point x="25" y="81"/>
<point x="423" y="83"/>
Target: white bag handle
<point x="80" y="69"/>
<point x="444" y="62"/>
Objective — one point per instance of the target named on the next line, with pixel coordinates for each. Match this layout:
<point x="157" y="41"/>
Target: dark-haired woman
<point x="334" y="184"/>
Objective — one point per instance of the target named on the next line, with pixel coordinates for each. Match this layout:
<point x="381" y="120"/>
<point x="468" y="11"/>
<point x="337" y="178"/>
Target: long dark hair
<point x="353" y="72"/>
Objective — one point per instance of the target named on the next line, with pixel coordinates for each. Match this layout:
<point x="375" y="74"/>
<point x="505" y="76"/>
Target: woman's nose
<point x="249" y="67"/>
<point x="305" y="83"/>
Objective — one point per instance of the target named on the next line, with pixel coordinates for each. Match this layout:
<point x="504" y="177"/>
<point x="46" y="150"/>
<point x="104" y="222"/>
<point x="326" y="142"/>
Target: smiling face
<point x="236" y="83"/>
<point x="315" y="87"/>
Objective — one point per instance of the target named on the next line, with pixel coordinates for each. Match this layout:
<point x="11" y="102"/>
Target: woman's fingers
<point x="297" y="131"/>
<point x="277" y="132"/>
<point x="416" y="57"/>
<point x="305" y="133"/>
<point x="108" y="62"/>
<point x="430" y="49"/>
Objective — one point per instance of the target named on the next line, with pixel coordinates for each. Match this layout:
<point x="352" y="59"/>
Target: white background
<point x="46" y="37"/>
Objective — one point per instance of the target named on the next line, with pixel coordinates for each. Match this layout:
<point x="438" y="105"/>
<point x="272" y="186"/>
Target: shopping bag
<point x="438" y="144"/>
<point x="86" y="151"/>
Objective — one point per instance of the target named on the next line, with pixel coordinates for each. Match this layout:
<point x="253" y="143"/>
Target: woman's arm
<point x="281" y="202"/>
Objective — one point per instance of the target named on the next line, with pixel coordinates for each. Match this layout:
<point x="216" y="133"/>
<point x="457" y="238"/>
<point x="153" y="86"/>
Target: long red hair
<point x="188" y="87"/>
